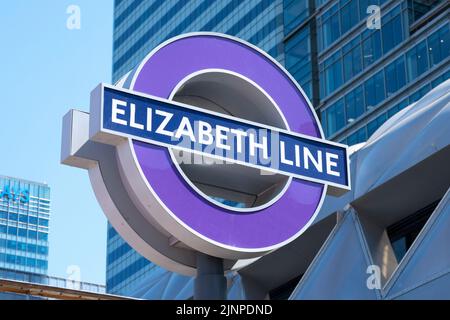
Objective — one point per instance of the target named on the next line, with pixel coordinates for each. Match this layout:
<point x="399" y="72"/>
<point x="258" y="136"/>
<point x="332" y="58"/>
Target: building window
<point x="298" y="59"/>
<point x="354" y="104"/>
<point x="31" y="248"/>
<point x="359" y="136"/>
<point x="373" y="125"/>
<point x="419" y="93"/>
<point x="12" y="231"/>
<point x="362" y="51"/>
<point x="10" y="259"/>
<point x="295" y="12"/>
<point x="349" y="14"/>
<point x="440" y="79"/>
<point x="32" y="234"/>
<point x="352" y="59"/>
<point x="399" y="106"/>
<point x="31" y="262"/>
<point x="391" y="29"/>
<point x="11" y="244"/>
<point x="346" y="14"/>
<point x="331" y="74"/>
<point x="335" y="117"/>
<point x="439" y="45"/>
<point x="389" y="80"/>
<point x="33" y="220"/>
<point x="403" y="233"/>
<point x="395" y="76"/>
<point x="41" y="264"/>
<point x="42" y="250"/>
<point x="329" y="27"/>
<point x="363" y="5"/>
<point x="43" y="222"/>
<point x="22" y="232"/>
<point x="418" y="8"/>
<point x="374" y="90"/>
<point x="417" y="60"/>
<point x="319" y="3"/>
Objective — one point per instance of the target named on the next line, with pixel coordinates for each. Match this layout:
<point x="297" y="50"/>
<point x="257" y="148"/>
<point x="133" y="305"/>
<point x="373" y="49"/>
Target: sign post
<point x="210" y="282"/>
<point x="207" y="153"/>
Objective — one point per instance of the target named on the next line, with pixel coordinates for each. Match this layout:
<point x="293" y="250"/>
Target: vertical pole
<point x="210" y="282"/>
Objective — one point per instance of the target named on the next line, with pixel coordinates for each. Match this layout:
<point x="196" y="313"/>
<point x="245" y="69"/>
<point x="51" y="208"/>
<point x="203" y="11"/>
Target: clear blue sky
<point x="46" y="70"/>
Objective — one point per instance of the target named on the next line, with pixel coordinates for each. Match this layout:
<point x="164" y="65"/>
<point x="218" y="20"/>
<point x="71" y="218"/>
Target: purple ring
<point x="265" y="228"/>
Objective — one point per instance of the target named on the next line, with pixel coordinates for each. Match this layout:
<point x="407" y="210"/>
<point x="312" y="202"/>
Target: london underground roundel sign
<point x="217" y="148"/>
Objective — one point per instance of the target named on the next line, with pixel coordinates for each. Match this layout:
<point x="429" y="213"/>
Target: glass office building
<point x="24" y="225"/>
<point x="359" y="74"/>
<point x="139" y="26"/>
<point x="356" y="74"/>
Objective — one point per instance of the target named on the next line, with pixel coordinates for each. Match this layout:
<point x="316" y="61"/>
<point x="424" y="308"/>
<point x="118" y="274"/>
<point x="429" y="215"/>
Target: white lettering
<point x="374" y="280"/>
<point x="162" y="127"/>
<point x="133" y="122"/>
<point x="74" y="19"/>
<point x="254" y="145"/>
<point x="185" y="129"/>
<point x="297" y="155"/>
<point x="283" y="155"/>
<point x="330" y="163"/>
<point x="149" y="119"/>
<point x="240" y="134"/>
<point x="222" y="136"/>
<point x="116" y="111"/>
<point x="374" y="19"/>
<point x="307" y="156"/>
<point x="188" y="310"/>
<point x="205" y="129"/>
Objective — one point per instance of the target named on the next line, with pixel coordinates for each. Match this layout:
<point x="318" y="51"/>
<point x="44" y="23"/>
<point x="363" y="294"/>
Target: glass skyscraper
<point x="139" y="26"/>
<point x="356" y="74"/>
<point x="24" y="225"/>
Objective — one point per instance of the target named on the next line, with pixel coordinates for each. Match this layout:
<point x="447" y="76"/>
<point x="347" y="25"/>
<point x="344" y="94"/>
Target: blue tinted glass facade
<point x="361" y="76"/>
<point x="139" y="26"/>
<point x="298" y="59"/>
<point x="24" y="225"/>
<point x="125" y="268"/>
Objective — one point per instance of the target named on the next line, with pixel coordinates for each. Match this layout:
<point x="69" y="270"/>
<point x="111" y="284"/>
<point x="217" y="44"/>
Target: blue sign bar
<point x="171" y="124"/>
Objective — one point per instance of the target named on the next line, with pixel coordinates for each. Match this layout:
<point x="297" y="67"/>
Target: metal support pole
<point x="210" y="282"/>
